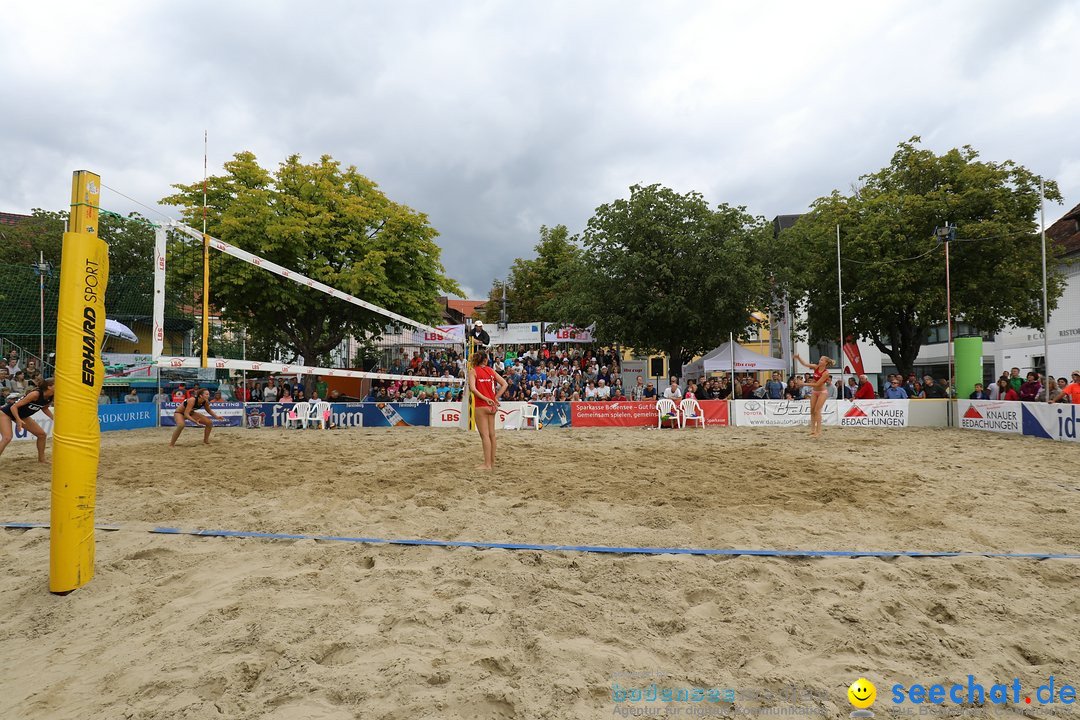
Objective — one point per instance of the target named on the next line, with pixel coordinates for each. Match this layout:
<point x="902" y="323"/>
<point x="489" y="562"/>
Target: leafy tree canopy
<point x="534" y="282"/>
<point x="893" y="265"/>
<point x="22" y="245"/>
<point x="666" y="272"/>
<point x="331" y="224"/>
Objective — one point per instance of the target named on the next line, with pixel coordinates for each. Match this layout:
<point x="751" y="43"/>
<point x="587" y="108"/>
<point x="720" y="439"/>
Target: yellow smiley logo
<point x="862" y="693"/>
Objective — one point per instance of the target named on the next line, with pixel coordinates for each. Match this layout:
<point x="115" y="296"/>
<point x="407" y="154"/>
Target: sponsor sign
<point x="110" y="417"/>
<point x="638" y="414"/>
<point x="396" y="414"/>
<point x="232" y="414"/>
<point x="127" y="416"/>
<point x="1055" y="422"/>
<point x="874" y="413"/>
<point x="994" y="415"/>
<point x="569" y="335"/>
<point x="780" y="413"/>
<point x="613" y="414"/>
<point x="257" y="415"/>
<point x="555" y="414"/>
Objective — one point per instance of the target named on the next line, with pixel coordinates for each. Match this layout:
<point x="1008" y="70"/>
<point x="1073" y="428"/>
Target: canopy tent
<point x="720" y="359"/>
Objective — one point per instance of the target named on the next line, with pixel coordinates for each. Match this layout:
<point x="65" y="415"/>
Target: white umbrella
<point x="120" y="330"/>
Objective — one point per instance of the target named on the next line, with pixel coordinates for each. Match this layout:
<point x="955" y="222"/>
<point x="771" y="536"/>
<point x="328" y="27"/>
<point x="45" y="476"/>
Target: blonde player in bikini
<point x="820" y="385"/>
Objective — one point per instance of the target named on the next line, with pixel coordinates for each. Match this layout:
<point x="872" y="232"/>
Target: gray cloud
<point x="495" y="118"/>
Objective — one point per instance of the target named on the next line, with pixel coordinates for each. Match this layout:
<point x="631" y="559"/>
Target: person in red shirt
<point x="180" y="394"/>
<point x="866" y="390"/>
<point x="1006" y="391"/>
<point x="486" y="386"/>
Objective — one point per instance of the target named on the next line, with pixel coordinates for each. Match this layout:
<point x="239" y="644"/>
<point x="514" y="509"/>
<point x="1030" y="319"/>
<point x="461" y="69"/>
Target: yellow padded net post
<point x="80" y="330"/>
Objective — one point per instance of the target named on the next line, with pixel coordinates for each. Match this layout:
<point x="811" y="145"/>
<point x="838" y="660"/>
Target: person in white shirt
<point x="603" y="392"/>
<point x="590" y="391"/>
<point x="674" y="392"/>
<point x="132" y="397"/>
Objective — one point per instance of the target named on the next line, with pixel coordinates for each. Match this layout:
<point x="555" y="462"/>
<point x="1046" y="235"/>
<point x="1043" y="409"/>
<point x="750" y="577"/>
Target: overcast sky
<point x="497" y="117"/>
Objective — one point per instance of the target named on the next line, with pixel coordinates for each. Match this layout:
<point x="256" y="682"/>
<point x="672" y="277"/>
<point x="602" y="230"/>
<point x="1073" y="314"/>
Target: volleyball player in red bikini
<point x="820" y="385"/>
<point x="487" y="387"/>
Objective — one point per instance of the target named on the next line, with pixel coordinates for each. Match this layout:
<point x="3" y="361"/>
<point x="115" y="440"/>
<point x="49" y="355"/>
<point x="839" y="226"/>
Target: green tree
<point x="534" y="282"/>
<point x="131" y="272"/>
<point x="893" y="265"/>
<point x="664" y="272"/>
<point x="331" y="224"/>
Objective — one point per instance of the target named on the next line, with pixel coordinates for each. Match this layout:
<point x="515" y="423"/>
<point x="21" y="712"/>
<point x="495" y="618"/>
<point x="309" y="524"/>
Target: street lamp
<point x="945" y="235"/>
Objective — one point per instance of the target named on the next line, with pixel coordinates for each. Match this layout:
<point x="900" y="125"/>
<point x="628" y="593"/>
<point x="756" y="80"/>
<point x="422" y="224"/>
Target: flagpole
<point x="1046" y="311"/>
<point x="731" y="375"/>
<point x="840" y="302"/>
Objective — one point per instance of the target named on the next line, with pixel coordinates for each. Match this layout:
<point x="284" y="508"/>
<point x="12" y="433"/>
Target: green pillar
<point x="969" y="369"/>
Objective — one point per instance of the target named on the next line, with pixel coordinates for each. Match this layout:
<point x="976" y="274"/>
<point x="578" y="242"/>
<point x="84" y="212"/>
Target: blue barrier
<point x="127" y="417"/>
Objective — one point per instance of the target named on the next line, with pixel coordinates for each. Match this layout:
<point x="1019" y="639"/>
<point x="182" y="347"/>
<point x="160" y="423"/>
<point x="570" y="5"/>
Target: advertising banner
<point x="613" y="414"/>
<point x="639" y="414"/>
<point x="232" y="414"/>
<point x="110" y="417"/>
<point x="127" y="416"/>
<point x="874" y="413"/>
<point x="780" y="413"/>
<point x="447" y="335"/>
<point x="994" y="415"/>
<point x="342" y="415"/>
<point x="554" y="414"/>
<point x="1054" y="422"/>
<point x="396" y="414"/>
<point x="716" y="413"/>
<point x="569" y="335"/>
<point x="444" y="414"/>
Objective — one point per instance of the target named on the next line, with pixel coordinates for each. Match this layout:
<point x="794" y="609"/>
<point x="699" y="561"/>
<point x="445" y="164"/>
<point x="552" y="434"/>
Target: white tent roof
<point x="720" y="359"/>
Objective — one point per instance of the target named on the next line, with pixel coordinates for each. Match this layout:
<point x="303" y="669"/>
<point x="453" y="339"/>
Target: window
<point x="940" y="333"/>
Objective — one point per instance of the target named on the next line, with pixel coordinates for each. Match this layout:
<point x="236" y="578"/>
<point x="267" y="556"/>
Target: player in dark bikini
<point x="186" y="411"/>
<point x="18" y="414"/>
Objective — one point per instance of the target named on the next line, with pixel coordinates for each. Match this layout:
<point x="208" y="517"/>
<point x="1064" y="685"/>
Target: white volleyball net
<point x="402" y="349"/>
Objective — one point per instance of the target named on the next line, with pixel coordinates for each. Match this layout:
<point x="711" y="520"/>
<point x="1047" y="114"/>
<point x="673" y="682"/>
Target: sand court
<point x="193" y="627"/>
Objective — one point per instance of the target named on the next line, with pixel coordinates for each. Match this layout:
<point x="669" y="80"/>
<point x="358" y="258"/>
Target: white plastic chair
<point x="529" y="412"/>
<point x="320" y="414"/>
<point x="299" y="415"/>
<point x="666" y="410"/>
<point x="690" y="411"/>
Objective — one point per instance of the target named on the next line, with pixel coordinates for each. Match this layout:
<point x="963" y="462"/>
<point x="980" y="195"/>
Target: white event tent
<point x="721" y="359"/>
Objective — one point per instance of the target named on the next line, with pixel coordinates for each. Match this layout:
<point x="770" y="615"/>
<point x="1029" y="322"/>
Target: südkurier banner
<point x="110" y="417"/>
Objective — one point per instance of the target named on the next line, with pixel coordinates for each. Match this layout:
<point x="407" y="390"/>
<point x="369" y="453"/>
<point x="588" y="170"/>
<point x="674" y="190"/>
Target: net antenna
<point x="169" y="361"/>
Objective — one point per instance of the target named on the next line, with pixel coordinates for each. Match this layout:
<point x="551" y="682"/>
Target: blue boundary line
<point x="586" y="548"/>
